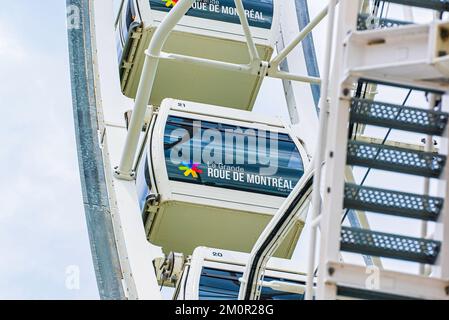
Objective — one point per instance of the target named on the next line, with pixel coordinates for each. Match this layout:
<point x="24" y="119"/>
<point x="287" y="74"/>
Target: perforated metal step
<point x="356" y="293"/>
<point x="398" y="117"/>
<point x="368" y="22"/>
<point x="395" y="203"/>
<point x="439" y="5"/>
<point x="395" y="159"/>
<point x="386" y="245"/>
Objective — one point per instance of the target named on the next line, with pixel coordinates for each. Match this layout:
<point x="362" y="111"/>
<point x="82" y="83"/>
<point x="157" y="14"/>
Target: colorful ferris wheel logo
<point x="170" y="3"/>
<point x="190" y="169"/>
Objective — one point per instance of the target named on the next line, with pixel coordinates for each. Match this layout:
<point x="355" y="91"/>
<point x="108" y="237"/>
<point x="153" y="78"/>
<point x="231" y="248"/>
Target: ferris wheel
<point x="188" y="188"/>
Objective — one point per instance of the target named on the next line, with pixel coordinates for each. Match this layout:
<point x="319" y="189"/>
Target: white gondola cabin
<point x="214" y="274"/>
<point x="214" y="176"/>
<point x="210" y="30"/>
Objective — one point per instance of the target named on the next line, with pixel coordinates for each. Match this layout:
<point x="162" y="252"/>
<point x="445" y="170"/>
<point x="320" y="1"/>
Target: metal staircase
<point x="355" y="47"/>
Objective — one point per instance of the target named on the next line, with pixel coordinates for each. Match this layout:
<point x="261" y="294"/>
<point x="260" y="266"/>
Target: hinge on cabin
<point x="153" y="201"/>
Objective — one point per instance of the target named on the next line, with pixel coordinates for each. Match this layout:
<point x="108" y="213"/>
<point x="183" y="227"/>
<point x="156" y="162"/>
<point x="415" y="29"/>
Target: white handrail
<point x="278" y="227"/>
<point x="173" y="57"/>
<point x="319" y="157"/>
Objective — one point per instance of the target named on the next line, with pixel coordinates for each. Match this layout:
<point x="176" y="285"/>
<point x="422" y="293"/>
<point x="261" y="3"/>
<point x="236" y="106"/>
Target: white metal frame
<point x="408" y="55"/>
<point x="335" y="154"/>
<point x="193" y="194"/>
<point x="299" y="212"/>
<point x="331" y="271"/>
<point x="424" y="269"/>
<point x="153" y="18"/>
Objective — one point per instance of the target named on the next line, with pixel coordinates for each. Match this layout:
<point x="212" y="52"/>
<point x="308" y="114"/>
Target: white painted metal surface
<point x="136" y="254"/>
<point x="321" y="141"/>
<point x="335" y="153"/>
<point x="256" y="66"/>
<point x="392" y="282"/>
<point x="415" y="55"/>
<point x="144" y="90"/>
<point x="207" y="50"/>
<point x="300" y="101"/>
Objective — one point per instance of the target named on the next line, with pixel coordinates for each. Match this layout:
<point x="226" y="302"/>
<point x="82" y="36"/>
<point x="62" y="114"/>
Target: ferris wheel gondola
<point x="210" y="31"/>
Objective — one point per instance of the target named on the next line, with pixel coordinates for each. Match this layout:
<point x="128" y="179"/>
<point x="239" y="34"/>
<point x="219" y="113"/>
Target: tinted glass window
<point x="231" y="157"/>
<point x="143" y="183"/>
<point x="224" y="285"/>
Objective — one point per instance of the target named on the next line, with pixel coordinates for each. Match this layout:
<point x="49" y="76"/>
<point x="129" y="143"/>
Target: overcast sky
<point x="42" y="226"/>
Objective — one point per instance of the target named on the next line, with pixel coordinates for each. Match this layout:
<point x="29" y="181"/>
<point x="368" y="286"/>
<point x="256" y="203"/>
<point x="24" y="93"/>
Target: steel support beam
<point x="93" y="182"/>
